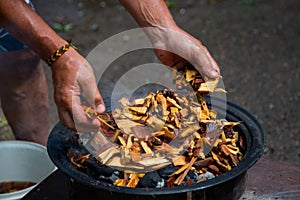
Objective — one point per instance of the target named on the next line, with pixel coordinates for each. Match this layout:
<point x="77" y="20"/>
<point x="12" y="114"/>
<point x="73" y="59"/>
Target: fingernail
<point x="100" y="108"/>
<point x="214" y="74"/>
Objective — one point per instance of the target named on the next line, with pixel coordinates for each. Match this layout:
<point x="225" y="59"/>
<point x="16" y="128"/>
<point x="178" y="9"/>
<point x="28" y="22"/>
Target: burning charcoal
<point x="167" y="171"/>
<point x="152" y="180"/>
<point x="94" y="168"/>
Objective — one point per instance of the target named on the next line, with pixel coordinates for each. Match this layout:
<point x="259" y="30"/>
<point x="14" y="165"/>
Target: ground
<point x="255" y="42"/>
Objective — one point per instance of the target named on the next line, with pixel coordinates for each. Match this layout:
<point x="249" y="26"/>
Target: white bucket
<point x="23" y="161"/>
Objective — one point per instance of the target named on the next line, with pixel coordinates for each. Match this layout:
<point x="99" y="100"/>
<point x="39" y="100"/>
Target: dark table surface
<point x="267" y="179"/>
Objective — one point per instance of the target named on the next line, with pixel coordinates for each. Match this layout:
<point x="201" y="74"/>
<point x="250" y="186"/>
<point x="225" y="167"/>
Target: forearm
<point x="28" y="27"/>
<point x="172" y="45"/>
<point x="154" y="16"/>
<point x="150" y="13"/>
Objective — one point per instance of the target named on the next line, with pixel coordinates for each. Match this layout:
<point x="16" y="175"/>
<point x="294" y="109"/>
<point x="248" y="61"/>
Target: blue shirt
<point x="8" y="42"/>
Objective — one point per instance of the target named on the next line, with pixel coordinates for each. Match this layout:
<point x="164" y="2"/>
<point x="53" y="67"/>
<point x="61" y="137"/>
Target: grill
<point x="230" y="185"/>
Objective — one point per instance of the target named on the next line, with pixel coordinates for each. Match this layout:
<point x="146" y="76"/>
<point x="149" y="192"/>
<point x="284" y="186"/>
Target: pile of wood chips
<point x="166" y="128"/>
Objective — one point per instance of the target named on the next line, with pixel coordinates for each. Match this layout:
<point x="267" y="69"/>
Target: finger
<point x="205" y="63"/>
<point x="214" y="71"/>
<point x="66" y="119"/>
<point x="87" y="83"/>
<point x="82" y="122"/>
<point x="99" y="103"/>
<point x="93" y="96"/>
<point x="63" y="105"/>
<point x="72" y="114"/>
<point x="198" y="55"/>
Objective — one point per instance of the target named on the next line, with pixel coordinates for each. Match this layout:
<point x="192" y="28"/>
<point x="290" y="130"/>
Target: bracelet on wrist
<point x="59" y="52"/>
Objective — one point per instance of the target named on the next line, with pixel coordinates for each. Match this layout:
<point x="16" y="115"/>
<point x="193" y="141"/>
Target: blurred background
<point x="255" y="42"/>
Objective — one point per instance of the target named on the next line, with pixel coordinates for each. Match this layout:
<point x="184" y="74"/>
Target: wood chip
<point x="139" y="101"/>
<point x="160" y="162"/>
<point x="179" y="160"/>
<point x="208" y="86"/>
<point x="234" y="150"/>
<point x="135" y="156"/>
<point x="184" y="112"/>
<point x="225" y="150"/>
<point x="190" y="75"/>
<point x="162" y="101"/>
<point x="141" y="132"/>
<point x="146" y="147"/>
<point x="168" y="134"/>
<point x="181" y="169"/>
<point x="120" y="182"/>
<point x="108" y="154"/>
<point x="179" y="180"/>
<point x="172" y="101"/>
<point x="203" y="163"/>
<point x="134" y="180"/>
<point x="122" y="141"/>
<point x="124" y="102"/>
<point x="139" y="110"/>
<point x="155" y="130"/>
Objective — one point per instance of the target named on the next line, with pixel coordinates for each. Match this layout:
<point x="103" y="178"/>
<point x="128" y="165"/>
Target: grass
<point x="5" y="131"/>
<point x="171" y="3"/>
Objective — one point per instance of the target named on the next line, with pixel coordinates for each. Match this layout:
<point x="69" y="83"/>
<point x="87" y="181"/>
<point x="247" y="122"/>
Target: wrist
<point x="160" y="35"/>
<point x="69" y="60"/>
<point x="58" y="53"/>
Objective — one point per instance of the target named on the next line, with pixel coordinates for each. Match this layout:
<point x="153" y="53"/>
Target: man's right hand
<point x="73" y="75"/>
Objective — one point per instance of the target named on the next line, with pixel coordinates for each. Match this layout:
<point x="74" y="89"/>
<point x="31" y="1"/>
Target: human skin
<point x="24" y="95"/>
<point x="173" y="46"/>
<point x="71" y="73"/>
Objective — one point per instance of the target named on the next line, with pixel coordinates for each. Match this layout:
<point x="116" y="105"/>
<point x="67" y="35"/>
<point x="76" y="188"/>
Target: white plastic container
<point x="23" y="161"/>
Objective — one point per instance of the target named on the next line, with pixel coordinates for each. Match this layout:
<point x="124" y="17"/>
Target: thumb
<point x="87" y="83"/>
<point x="99" y="103"/>
<point x="213" y="71"/>
<point x="206" y="64"/>
<point x="95" y="99"/>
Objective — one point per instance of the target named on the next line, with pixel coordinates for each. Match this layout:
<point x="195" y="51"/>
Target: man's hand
<point x="72" y="75"/>
<point x="172" y="45"/>
<point x="176" y="48"/>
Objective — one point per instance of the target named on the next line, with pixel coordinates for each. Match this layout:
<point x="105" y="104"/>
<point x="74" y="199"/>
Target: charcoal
<point x="168" y="92"/>
<point x="110" y="179"/>
<point x="152" y="180"/>
<point x="73" y="142"/>
<point x="207" y="175"/>
<point x="191" y="176"/>
<point x="166" y="171"/>
<point x="95" y="169"/>
<point x="202" y="129"/>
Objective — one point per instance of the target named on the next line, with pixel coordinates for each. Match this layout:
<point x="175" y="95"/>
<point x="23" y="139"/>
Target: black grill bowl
<point x="229" y="185"/>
